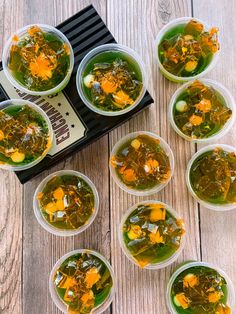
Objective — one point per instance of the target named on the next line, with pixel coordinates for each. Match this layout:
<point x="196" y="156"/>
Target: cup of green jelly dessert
<point x="151" y="234"/>
<point x="202" y="110"/>
<point x="111" y="79"/>
<point x="66" y="203"/>
<point x="81" y="282"/>
<point x="38" y="60"/>
<point x="211" y="177"/>
<point x="141" y="163"/>
<point x="26" y="134"/>
<point x="187" y="49"/>
<point x="199" y="288"/>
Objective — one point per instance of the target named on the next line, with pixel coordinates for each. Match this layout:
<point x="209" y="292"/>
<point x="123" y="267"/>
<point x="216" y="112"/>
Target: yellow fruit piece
<point x="17" y="157"/>
<point x="58" y="193"/>
<point x="122" y="99"/>
<point x="135" y="144"/>
<point x="108" y="86"/>
<point x="33" y="30"/>
<point x="156" y="237"/>
<point x="143" y="263"/>
<point x="188" y="37"/>
<point x="51" y="208"/>
<point x="204" y="105"/>
<point x="42" y="67"/>
<point x="181" y="300"/>
<point x="214" y="297"/>
<point x="15" y="38"/>
<point x="92" y="276"/>
<point x="190" y="280"/>
<point x="67" y="283"/>
<point x="86" y="297"/>
<point x="1" y="135"/>
<point x="223" y="309"/>
<point x="157" y="212"/>
<point x="129" y="175"/>
<point x="113" y="161"/>
<point x="66" y="48"/>
<point x="135" y="232"/>
<point x="40" y="195"/>
<point x="60" y="205"/>
<point x="190" y="66"/>
<point x="151" y="165"/>
<point x="195" y="120"/>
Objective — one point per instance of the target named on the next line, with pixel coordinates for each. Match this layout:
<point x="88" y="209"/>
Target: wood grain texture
<point x="218" y="228"/>
<point x="10" y="199"/>
<point x="136" y="24"/>
<point x="27" y="252"/>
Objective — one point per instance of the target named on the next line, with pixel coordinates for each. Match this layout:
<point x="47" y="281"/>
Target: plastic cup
<point x="229" y="101"/>
<point x="127" y="253"/>
<point x="160" y="36"/>
<point x="21" y="33"/>
<point x="106" y="48"/>
<point x="156" y="188"/>
<point x="58" y="301"/>
<point x="46" y="225"/>
<point x="217" y="207"/>
<point x="183" y="267"/>
<point x="19" y="102"/>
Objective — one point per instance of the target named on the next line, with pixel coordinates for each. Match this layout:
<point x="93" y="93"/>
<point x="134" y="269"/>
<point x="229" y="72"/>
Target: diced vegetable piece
<point x="190" y="66"/>
<point x="17" y="157"/>
<point x="89" y="80"/>
<point x="181" y="106"/>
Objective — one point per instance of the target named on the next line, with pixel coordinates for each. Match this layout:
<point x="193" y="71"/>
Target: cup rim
<point x="158" y="265"/>
<point x="183" y="267"/>
<point x="64" y="232"/>
<point x="159" y="37"/>
<point x="21" y="32"/>
<point x="20" y="102"/>
<point x="216" y="207"/>
<point x="100" y="49"/>
<point x="58" y="301"/>
<point x="228" y="98"/>
<point x="165" y="146"/>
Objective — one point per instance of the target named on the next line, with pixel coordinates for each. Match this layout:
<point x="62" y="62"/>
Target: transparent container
<point x="156" y="188"/>
<point x="161" y="34"/>
<point x="19" y="102"/>
<point x="58" y="301"/>
<point x="217" y="207"/>
<point x="229" y="101"/>
<point x="46" y="225"/>
<point x="105" y="48"/>
<point x="183" y="267"/>
<point x="21" y="33"/>
<point x="158" y="265"/>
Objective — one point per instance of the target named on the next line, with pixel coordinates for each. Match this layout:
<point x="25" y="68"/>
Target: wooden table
<point x="27" y="252"/>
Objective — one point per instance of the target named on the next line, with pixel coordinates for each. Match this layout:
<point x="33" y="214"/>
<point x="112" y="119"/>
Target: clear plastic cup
<point x="46" y="225"/>
<point x="21" y="33"/>
<point x="217" y="207"/>
<point x="156" y="188"/>
<point x="158" y="265"/>
<point x="105" y="48"/>
<point x="229" y="101"/>
<point x="58" y="301"/>
<point x="19" y="102"/>
<point x="187" y="265"/>
<point x="161" y="34"/>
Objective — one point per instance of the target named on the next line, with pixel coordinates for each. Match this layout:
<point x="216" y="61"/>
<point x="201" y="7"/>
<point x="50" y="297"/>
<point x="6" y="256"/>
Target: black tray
<point x="75" y="126"/>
